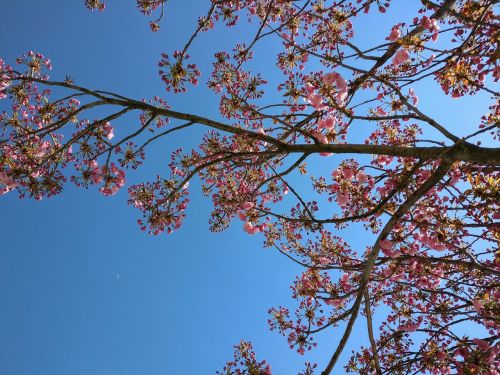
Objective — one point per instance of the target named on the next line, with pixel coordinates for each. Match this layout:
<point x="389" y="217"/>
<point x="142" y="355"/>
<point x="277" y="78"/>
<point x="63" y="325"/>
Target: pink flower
<point x="316" y="101"/>
<point x="476" y="304"/>
<point x="482" y="344"/>
<point x="309" y="89"/>
<point x="342" y="199"/>
<point x="394" y="35"/>
<point x="401" y="56"/>
<point x="413" y="96"/>
<point x="247" y="205"/>
<point x="178" y="223"/>
<point x="336" y="302"/>
<point x="385" y="159"/>
<point x="386" y="245"/>
<point x="323" y="139"/>
<point x="250" y="228"/>
<point x="340" y="84"/>
<point x="348" y="173"/>
<point x="388" y="249"/>
<point x="431" y="25"/>
<point x="496" y="73"/>
<point x="324" y="261"/>
<point x="113" y="184"/>
<point x="108" y="131"/>
<point x="8" y="183"/>
<point x="329" y="78"/>
<point x="96" y="177"/>
<point x="327" y="123"/>
<point x="410" y="327"/>
<point x="429" y="61"/>
<point x="361" y="177"/>
<point x="266" y="371"/>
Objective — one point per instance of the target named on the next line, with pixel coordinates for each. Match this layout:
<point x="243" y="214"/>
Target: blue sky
<point x="82" y="290"/>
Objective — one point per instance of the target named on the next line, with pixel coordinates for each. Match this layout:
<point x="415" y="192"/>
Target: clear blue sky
<point x="82" y="290"/>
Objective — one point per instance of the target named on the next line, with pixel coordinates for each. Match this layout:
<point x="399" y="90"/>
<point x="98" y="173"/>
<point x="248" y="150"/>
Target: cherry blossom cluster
<point x="175" y="74"/>
<point x="95" y="5"/>
<point x="163" y="201"/>
<point x="245" y="363"/>
<point x="429" y="203"/>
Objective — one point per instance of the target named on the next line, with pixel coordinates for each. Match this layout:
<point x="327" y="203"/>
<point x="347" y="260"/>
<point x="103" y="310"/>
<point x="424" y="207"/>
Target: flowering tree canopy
<point x="425" y="191"/>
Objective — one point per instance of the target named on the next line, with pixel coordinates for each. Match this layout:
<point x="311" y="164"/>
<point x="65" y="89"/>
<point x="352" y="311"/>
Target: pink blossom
<point x="476" y="304"/>
<point x="410" y="327"/>
<point x="316" y="101"/>
<point x="178" y="222"/>
<point x="247" y="205"/>
<point x="340" y="84"/>
<point x="361" y="177"/>
<point x="344" y="283"/>
<point x="342" y="199"/>
<point x="388" y="249"/>
<point x="431" y="25"/>
<point x="394" y="35"/>
<point x="413" y="96"/>
<point x="348" y="173"/>
<point x="250" y="228"/>
<point x="327" y="123"/>
<point x="429" y="61"/>
<point x="323" y="139"/>
<point x="401" y="56"/>
<point x="324" y="261"/>
<point x="113" y="183"/>
<point x="335" y="302"/>
<point x="6" y="180"/>
<point x="108" y="131"/>
<point x="329" y="78"/>
<point x="386" y="245"/>
<point x="496" y="73"/>
<point x="482" y="344"/>
<point x="309" y="89"/>
<point x="385" y="159"/>
<point x="387" y="272"/>
<point x="8" y="183"/>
